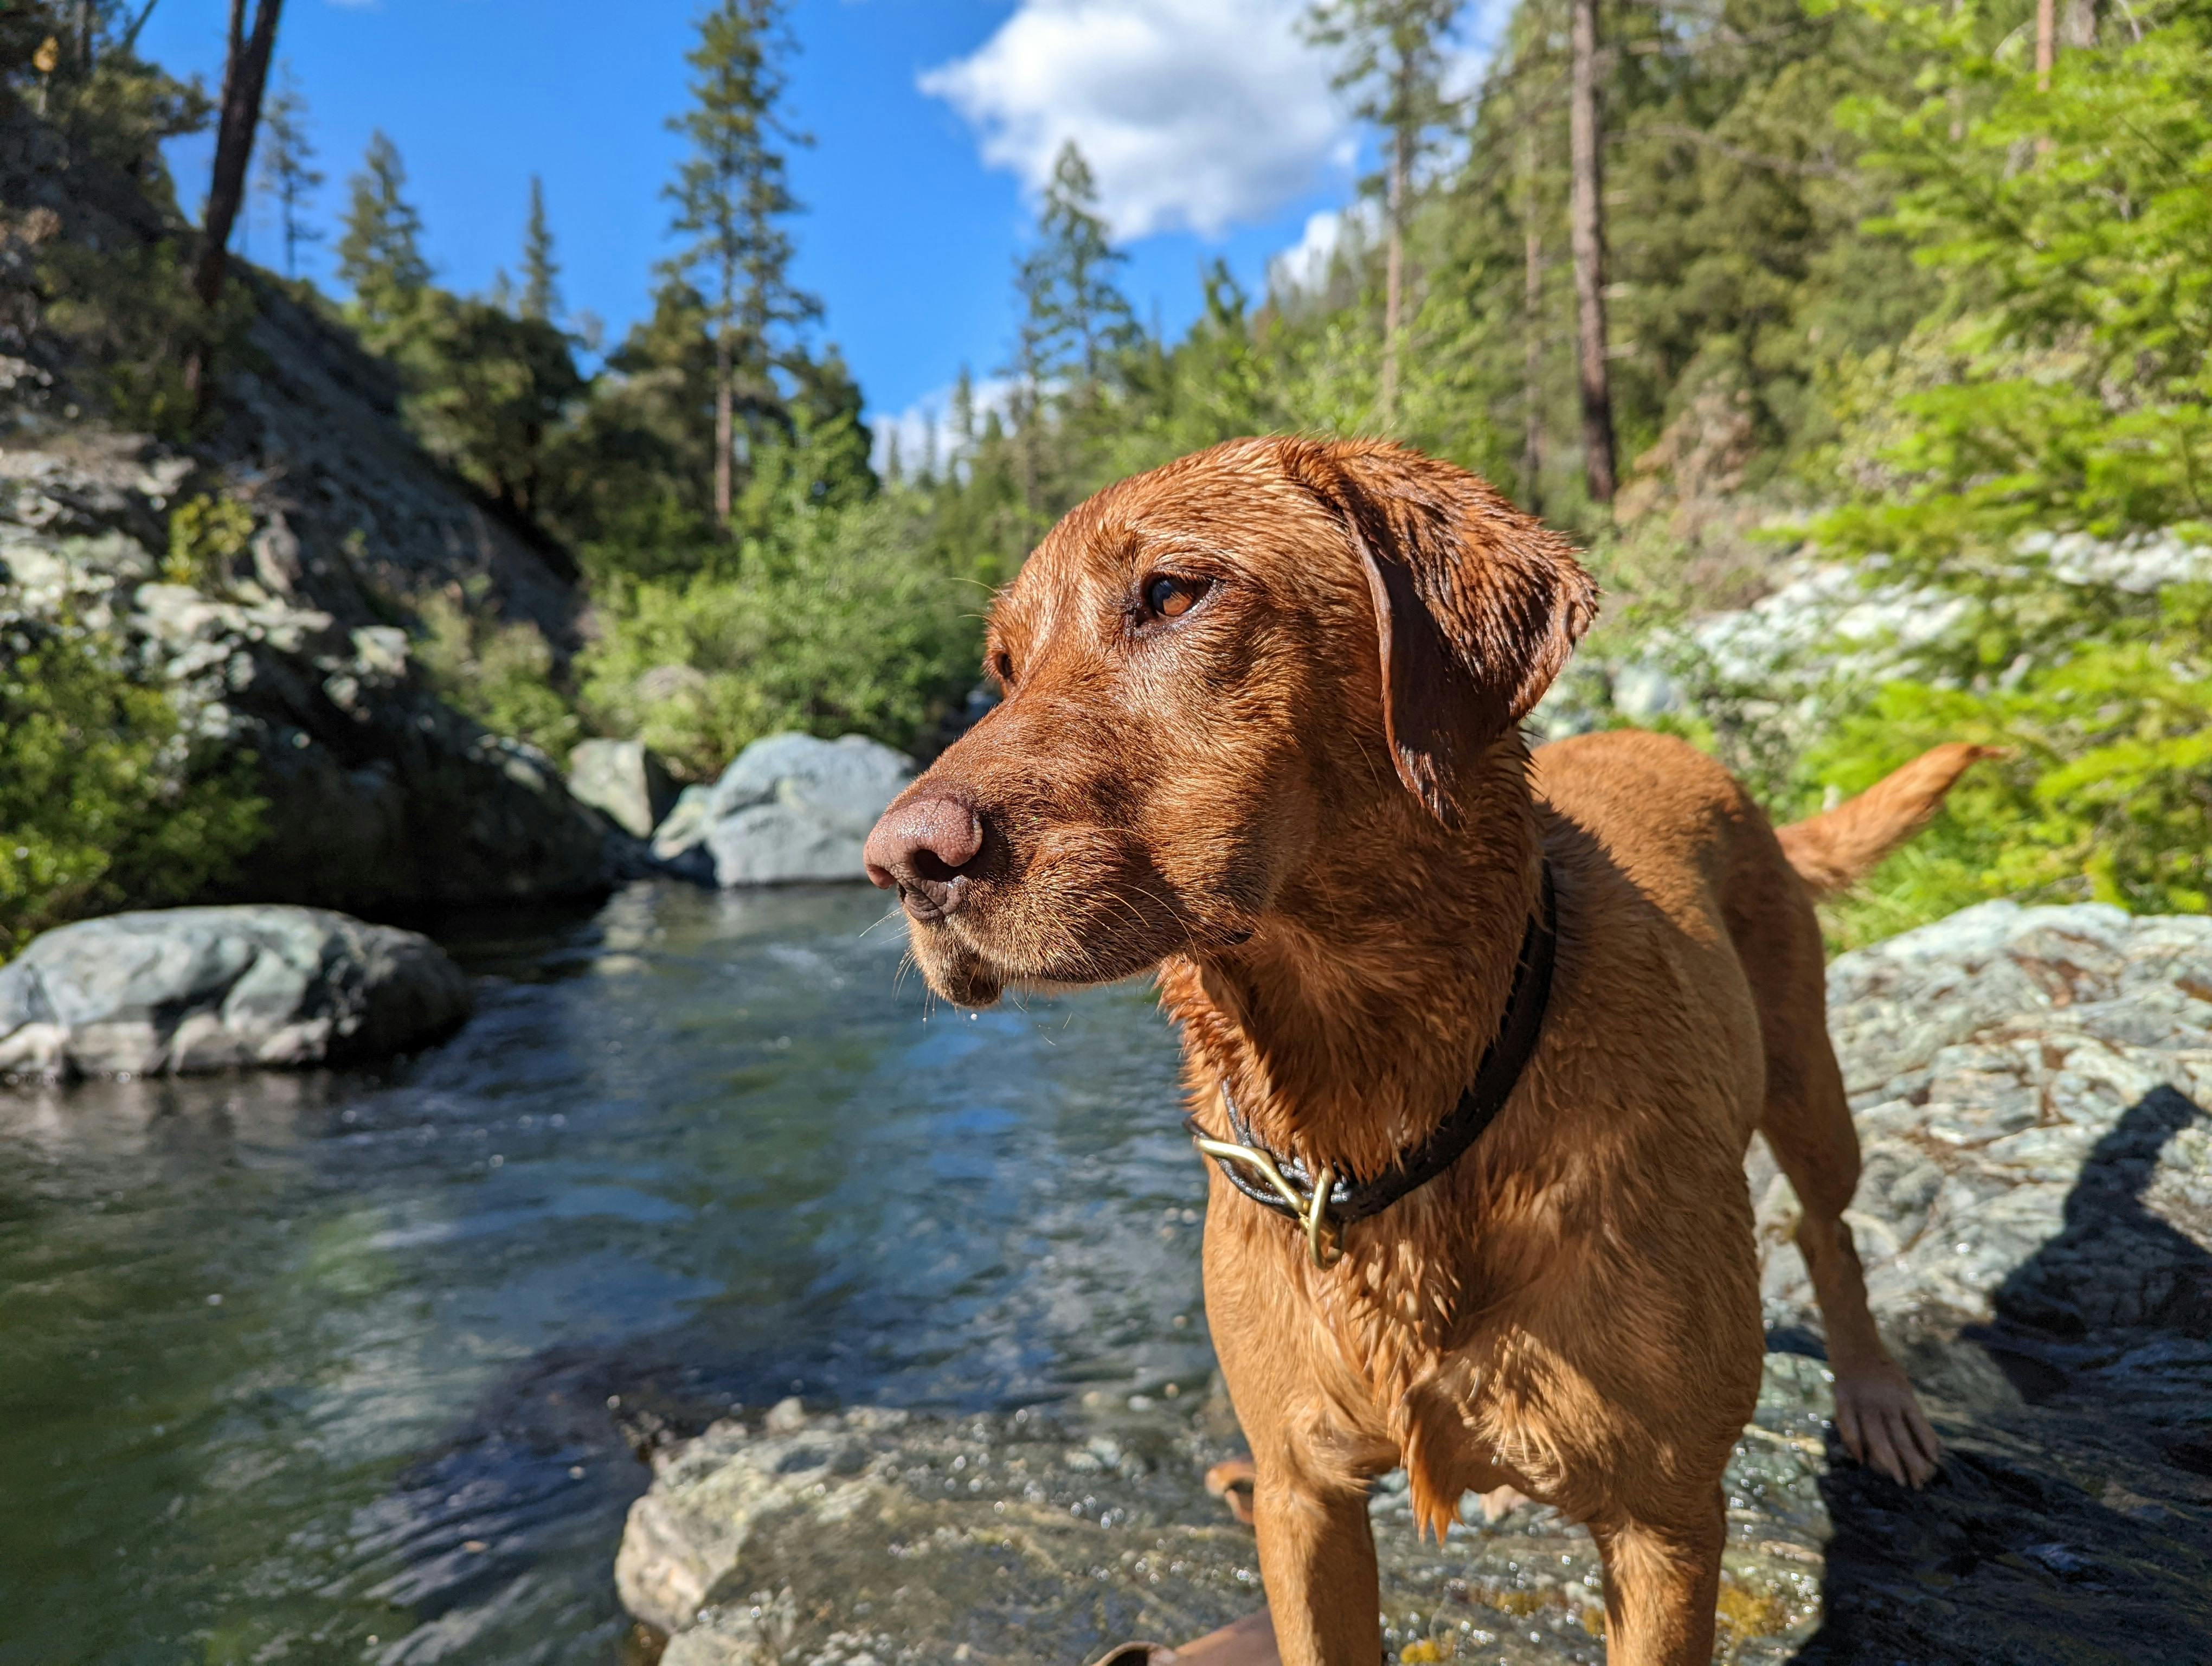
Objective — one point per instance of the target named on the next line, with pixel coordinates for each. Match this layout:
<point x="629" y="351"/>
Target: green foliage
<point x="206" y="534"/>
<point x="501" y="674"/>
<point x="103" y="802"/>
<point x="2065" y="387"/>
<point x="380" y="259"/>
<point x="836" y="626"/>
<point x="486" y="390"/>
<point x="2107" y="794"/>
<point x="2067" y="384"/>
<point x="541" y="273"/>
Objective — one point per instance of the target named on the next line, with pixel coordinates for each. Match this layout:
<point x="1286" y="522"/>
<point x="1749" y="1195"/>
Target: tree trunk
<point x="2046" y="42"/>
<point x="1394" y="280"/>
<point x="726" y="437"/>
<point x="1531" y="334"/>
<point x="246" y="71"/>
<point x="1587" y="238"/>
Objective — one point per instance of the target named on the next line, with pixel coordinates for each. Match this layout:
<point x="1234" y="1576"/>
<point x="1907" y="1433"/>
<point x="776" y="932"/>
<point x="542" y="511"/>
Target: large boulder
<point x="791" y="808"/>
<point x="2029" y="1086"/>
<point x="624" y="780"/>
<point x="178" y="990"/>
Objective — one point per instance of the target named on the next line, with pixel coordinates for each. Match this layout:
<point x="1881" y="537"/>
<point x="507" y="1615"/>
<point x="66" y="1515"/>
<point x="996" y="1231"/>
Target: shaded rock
<point x="622" y="778"/>
<point x="1995" y="1060"/>
<point x="179" y="990"/>
<point x="790" y="808"/>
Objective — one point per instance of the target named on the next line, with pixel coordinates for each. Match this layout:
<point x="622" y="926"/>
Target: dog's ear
<point x="1477" y="606"/>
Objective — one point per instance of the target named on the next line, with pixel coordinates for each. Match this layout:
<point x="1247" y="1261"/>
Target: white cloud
<point x="931" y="418"/>
<point x="1195" y="114"/>
<point x="1304" y="265"/>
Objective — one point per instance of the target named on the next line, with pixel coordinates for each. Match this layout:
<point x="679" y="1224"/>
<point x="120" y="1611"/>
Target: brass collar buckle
<point x="1324" y="1237"/>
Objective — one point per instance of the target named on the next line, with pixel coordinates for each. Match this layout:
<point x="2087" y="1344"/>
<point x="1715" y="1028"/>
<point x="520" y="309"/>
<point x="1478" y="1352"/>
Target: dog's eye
<point x="1169" y="597"/>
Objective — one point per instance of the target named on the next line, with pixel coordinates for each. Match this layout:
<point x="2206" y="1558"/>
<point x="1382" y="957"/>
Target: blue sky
<point x="1211" y="125"/>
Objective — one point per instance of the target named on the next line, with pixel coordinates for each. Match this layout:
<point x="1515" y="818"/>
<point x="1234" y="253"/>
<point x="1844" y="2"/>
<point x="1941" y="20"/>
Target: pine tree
<point x="288" y="172"/>
<point x="963" y="422"/>
<point x="1083" y="312"/>
<point x="541" y="292"/>
<point x="1394" y="57"/>
<point x="731" y="202"/>
<point x="380" y="255"/>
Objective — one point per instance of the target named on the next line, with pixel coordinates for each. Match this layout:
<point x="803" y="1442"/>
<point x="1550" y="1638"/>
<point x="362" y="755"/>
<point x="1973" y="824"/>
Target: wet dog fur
<point x="1260" y="737"/>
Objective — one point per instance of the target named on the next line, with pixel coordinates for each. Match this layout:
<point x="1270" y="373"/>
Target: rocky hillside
<point x="287" y="635"/>
<point x="2036" y="1218"/>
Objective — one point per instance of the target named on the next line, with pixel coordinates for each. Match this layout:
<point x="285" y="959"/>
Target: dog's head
<point x="1206" y="668"/>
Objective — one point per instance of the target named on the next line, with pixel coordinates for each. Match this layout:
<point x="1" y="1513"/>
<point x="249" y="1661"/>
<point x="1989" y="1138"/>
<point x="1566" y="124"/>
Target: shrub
<point x="842" y="624"/>
<point x="499" y="674"/>
<point x="103" y="802"/>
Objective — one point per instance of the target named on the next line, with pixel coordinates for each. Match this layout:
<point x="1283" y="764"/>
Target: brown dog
<point x="1261" y="734"/>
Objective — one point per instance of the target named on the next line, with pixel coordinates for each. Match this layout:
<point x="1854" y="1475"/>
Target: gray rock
<point x="622" y="778"/>
<point x="179" y="990"/>
<point x="2000" y="1062"/>
<point x="790" y="808"/>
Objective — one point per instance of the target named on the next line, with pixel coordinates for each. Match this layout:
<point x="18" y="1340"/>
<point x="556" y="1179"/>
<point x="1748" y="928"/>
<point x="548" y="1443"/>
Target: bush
<point x="842" y="624"/>
<point x="103" y="802"/>
<point x="501" y="675"/>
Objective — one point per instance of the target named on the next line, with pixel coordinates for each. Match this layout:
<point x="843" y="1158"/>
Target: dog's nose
<point x="922" y="847"/>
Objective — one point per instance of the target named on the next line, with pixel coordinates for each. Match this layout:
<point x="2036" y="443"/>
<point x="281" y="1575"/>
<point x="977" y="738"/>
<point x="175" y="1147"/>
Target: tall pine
<point x="1394" y="63"/>
<point x="541" y="290"/>
<point x="380" y="254"/>
<point x="732" y="201"/>
<point x="288" y="175"/>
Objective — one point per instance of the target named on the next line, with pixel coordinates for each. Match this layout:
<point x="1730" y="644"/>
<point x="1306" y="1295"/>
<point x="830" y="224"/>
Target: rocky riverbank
<point x="2036" y="1218"/>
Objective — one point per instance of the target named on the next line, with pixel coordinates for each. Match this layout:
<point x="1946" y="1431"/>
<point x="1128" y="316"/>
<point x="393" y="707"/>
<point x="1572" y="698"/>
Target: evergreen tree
<point x="541" y="293"/>
<point x="731" y="202"/>
<point x="380" y="254"/>
<point x="963" y="420"/>
<point x="1082" y="314"/>
<point x="288" y="172"/>
<point x="1394" y="60"/>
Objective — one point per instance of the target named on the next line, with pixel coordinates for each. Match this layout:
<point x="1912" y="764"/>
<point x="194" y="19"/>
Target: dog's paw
<point x="1232" y="1481"/>
<point x="1879" y="1420"/>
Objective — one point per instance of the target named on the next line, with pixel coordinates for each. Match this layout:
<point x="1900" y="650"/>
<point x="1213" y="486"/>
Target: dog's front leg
<point x="1662" y="1581"/>
<point x="1317" y="1561"/>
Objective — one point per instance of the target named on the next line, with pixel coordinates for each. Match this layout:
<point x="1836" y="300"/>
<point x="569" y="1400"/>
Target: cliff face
<point x="291" y="641"/>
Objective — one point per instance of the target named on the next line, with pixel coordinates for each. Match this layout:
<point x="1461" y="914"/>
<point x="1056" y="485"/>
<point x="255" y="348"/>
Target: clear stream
<point x="348" y="1365"/>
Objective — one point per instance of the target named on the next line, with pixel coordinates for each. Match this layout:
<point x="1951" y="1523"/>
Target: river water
<point x="349" y="1366"/>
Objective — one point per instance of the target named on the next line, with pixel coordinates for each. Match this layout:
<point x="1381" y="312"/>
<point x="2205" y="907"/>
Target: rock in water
<point x="625" y="781"/>
<point x="790" y="808"/>
<point x="177" y="990"/>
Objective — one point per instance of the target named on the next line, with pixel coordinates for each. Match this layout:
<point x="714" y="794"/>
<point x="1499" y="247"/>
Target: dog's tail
<point x="1838" y="846"/>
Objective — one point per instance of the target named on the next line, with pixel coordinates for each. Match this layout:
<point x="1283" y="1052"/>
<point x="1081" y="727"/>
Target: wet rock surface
<point x="2034" y="1218"/>
<point x="175" y="991"/>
